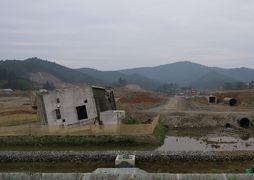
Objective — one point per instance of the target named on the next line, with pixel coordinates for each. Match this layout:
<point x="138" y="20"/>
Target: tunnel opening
<point x="244" y="122"/>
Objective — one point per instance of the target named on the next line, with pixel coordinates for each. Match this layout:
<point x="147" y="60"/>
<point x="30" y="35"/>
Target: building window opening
<point x="82" y="112"/>
<point x="57" y="100"/>
<point x="58" y="114"/>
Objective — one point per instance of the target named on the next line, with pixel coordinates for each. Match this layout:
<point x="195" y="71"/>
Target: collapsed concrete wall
<point x="112" y="117"/>
<point x="67" y="106"/>
<point x="75" y="106"/>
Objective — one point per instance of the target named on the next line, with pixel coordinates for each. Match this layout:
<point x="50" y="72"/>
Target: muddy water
<point x="78" y="148"/>
<point x="224" y="143"/>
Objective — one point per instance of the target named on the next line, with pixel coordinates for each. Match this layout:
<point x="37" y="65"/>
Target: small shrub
<point x="132" y="121"/>
<point x="160" y="131"/>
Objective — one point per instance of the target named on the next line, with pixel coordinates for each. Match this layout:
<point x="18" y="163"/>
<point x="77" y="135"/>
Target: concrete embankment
<point x="117" y="175"/>
<point x="141" y="156"/>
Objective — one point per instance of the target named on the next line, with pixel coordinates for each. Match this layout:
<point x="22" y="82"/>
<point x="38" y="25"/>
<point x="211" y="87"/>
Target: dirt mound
<point x="141" y="97"/>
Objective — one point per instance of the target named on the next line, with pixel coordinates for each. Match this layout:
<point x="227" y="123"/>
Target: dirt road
<point x="173" y="104"/>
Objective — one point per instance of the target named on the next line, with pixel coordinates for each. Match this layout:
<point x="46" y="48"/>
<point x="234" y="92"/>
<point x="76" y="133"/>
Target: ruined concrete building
<point x="89" y="105"/>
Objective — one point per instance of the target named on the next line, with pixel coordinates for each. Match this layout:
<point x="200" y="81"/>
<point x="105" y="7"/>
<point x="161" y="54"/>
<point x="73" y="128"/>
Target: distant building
<point x="89" y="105"/>
<point x="6" y="91"/>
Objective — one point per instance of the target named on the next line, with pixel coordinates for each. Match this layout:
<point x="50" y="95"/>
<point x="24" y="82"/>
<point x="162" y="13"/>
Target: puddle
<point x="174" y="143"/>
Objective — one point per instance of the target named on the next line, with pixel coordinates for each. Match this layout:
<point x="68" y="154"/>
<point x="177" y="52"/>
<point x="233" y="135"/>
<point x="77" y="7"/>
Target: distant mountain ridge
<point x="48" y="71"/>
<point x="186" y="73"/>
<point x="39" y="71"/>
<point x="112" y="77"/>
<point x="183" y="73"/>
<point x="212" y="80"/>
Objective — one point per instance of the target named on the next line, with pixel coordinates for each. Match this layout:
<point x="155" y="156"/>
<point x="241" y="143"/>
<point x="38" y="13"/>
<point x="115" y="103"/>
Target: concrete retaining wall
<point x="146" y="176"/>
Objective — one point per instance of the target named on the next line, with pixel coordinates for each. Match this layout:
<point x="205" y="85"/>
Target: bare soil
<point x="136" y="101"/>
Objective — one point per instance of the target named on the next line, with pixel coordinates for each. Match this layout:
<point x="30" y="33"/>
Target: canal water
<point x="171" y="143"/>
<point x="152" y="167"/>
<point x="224" y="143"/>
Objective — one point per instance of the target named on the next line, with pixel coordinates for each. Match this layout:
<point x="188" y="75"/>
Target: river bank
<point x="150" y="161"/>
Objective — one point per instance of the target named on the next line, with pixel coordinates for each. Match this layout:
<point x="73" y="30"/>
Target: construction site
<point x="215" y="134"/>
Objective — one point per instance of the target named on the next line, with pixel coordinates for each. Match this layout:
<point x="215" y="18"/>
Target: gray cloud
<point x="116" y="34"/>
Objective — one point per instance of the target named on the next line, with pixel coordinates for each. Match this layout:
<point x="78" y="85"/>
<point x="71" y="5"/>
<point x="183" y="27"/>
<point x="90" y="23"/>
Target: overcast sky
<point x="117" y="34"/>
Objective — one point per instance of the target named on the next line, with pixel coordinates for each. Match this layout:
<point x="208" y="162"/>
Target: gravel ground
<point x="145" y="156"/>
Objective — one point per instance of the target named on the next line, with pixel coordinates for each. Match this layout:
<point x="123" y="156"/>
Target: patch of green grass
<point x="160" y="131"/>
<point x="132" y="121"/>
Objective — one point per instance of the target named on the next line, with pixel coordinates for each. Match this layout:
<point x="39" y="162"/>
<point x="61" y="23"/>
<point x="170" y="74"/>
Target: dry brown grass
<point x="18" y="119"/>
<point x="39" y="130"/>
<point x="15" y="110"/>
<point x="141" y="97"/>
<point x="132" y="101"/>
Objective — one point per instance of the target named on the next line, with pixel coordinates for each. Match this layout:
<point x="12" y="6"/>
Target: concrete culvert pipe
<point x="212" y="99"/>
<point x="230" y="101"/>
<point x="244" y="122"/>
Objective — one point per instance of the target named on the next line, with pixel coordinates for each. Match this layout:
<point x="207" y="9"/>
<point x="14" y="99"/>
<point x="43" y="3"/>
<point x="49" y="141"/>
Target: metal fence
<point x="79" y="130"/>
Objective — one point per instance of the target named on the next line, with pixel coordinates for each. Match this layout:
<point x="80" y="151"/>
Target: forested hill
<point x="35" y="72"/>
